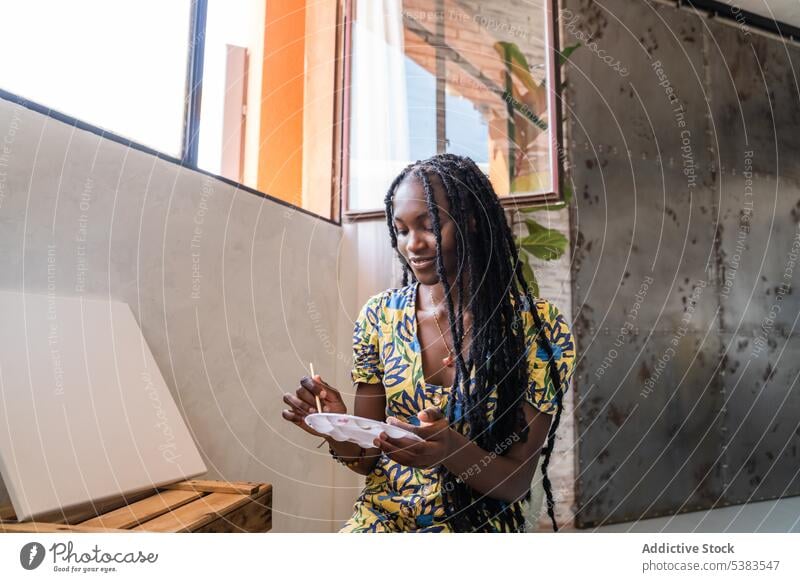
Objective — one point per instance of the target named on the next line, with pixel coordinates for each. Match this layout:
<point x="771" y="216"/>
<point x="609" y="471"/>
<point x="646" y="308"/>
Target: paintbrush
<point x="319" y="405"/>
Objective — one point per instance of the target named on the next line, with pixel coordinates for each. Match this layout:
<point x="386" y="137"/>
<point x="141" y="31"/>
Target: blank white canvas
<point x="85" y="414"/>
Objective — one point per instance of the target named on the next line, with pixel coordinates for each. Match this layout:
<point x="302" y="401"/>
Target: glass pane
<point x="499" y="55"/>
<point x="484" y="63"/>
<point x="267" y="114"/>
<point x="393" y="101"/>
<point x="118" y="65"/>
<point x="234" y="35"/>
<point x="468" y="109"/>
<point x="421" y="111"/>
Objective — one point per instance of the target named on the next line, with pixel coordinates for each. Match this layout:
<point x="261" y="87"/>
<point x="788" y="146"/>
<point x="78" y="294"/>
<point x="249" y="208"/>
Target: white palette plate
<point x="355" y="429"/>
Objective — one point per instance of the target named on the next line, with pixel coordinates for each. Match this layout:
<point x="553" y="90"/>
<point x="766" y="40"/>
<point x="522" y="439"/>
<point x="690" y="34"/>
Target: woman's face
<point x="415" y="239"/>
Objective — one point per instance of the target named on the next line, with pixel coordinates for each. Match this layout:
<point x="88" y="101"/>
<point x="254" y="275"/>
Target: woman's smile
<point x="422" y="263"/>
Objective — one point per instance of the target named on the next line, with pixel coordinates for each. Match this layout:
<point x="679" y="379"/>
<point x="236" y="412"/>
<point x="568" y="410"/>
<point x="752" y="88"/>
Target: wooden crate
<point x="188" y="506"/>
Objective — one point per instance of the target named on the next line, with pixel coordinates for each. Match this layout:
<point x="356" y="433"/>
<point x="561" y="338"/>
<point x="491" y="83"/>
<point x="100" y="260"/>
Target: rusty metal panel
<point x="644" y="236"/>
<point x="756" y="101"/>
<point x="643" y="254"/>
<point x="762" y="419"/>
<point x="757" y="113"/>
<point x="636" y="215"/>
<point x="756" y="118"/>
<point x="655" y="239"/>
<point x="655" y="451"/>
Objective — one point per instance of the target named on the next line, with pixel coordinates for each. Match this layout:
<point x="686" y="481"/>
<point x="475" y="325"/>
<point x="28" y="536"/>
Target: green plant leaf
<point x="530" y="277"/>
<point x="524" y="105"/>
<point x="543" y="243"/>
<point x="517" y="66"/>
<point x="516" y="63"/>
<point x="562" y="58"/>
<point x="568" y="194"/>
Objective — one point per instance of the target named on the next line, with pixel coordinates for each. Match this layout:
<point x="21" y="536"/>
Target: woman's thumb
<point x="430" y="415"/>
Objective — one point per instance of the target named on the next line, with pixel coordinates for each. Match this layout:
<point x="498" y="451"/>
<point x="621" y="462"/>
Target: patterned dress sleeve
<point x="367" y="364"/>
<point x="541" y="392"/>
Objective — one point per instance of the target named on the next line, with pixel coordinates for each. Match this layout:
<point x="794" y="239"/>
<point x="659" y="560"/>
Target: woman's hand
<point x="303" y="403"/>
<point x="432" y="451"/>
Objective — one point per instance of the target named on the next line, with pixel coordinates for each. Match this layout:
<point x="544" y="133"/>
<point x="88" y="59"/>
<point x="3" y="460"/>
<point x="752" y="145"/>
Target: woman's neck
<point x="436" y="292"/>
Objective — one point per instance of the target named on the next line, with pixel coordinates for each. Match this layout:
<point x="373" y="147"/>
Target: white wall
<point x="268" y="299"/>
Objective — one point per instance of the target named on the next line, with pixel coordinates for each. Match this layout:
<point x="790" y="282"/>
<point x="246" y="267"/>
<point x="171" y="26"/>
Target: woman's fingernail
<point x="322" y="394"/>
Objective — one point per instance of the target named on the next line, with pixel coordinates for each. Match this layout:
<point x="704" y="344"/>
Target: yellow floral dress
<point x="386" y="349"/>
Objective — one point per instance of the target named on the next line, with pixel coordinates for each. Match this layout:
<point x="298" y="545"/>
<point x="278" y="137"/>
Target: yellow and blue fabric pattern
<point x="386" y="350"/>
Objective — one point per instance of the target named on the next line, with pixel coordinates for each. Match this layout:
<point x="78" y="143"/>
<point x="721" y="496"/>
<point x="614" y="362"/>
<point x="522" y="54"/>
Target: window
<point x="457" y="76"/>
<point x="233" y="50"/>
<point x="269" y="95"/>
<point x="303" y="99"/>
<point x="252" y="97"/>
<point x="118" y="65"/>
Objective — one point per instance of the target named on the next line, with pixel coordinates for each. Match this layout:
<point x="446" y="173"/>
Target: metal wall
<point x="683" y="135"/>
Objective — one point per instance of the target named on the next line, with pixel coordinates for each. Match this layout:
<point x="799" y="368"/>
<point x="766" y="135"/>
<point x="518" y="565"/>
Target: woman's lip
<point x="423" y="264"/>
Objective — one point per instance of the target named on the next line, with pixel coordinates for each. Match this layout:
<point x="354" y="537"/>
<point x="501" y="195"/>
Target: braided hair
<point x="495" y="276"/>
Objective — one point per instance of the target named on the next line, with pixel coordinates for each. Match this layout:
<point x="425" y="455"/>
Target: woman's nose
<point x="415" y="241"/>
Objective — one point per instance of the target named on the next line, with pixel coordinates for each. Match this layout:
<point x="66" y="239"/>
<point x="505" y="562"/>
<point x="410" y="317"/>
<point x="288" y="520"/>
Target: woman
<point x="458" y="356"/>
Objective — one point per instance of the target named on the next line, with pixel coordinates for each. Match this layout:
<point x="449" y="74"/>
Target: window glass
<point x="457" y="76"/>
<point x="118" y="65"/>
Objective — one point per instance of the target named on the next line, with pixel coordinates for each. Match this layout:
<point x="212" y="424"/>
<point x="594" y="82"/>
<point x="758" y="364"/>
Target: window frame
<point x="554" y="116"/>
<point x="198" y="17"/>
<point x="191" y="126"/>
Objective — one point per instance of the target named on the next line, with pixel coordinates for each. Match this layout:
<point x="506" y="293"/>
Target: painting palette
<point x="355" y="429"/>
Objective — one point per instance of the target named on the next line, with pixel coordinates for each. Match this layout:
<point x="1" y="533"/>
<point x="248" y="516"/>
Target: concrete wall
<point x="127" y="225"/>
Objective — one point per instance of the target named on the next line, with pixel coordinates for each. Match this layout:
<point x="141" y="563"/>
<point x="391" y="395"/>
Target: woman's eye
<point x="402" y="233"/>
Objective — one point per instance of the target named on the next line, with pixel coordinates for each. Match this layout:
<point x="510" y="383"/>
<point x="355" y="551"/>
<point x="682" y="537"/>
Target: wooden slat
<point x="185" y="506"/>
<point x="197" y="513"/>
<point x="93" y="509"/>
<point x="41" y="527"/>
<point x="144" y="510"/>
<point x="7" y="513"/>
<point x="252" y="517"/>
<point x="240" y="487"/>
